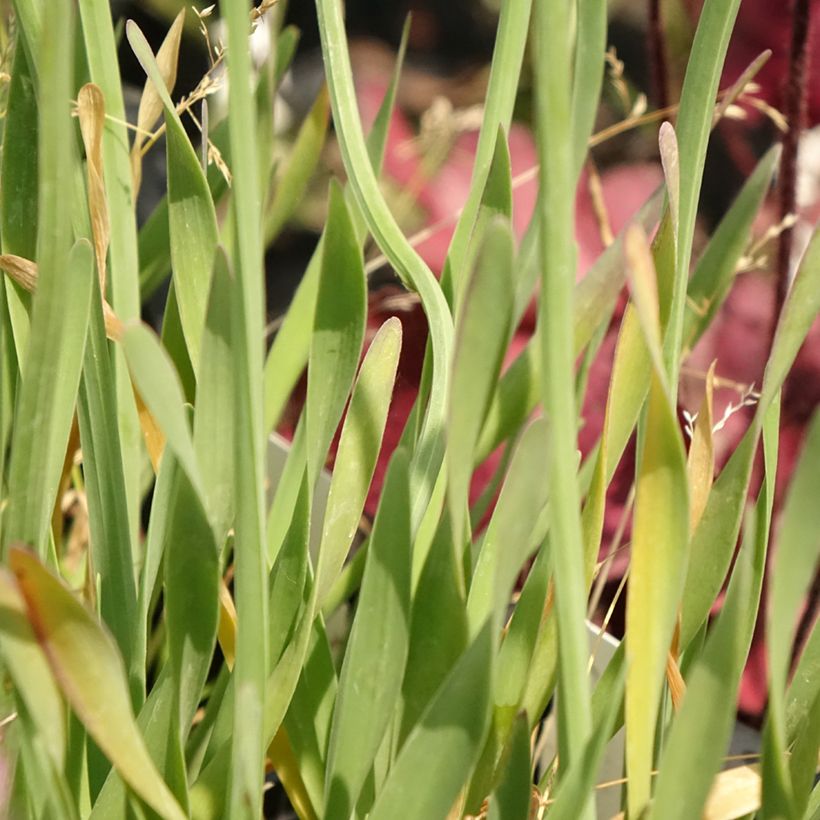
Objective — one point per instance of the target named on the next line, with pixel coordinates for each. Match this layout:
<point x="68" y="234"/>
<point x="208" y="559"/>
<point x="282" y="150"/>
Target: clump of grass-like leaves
<point x="166" y="670"/>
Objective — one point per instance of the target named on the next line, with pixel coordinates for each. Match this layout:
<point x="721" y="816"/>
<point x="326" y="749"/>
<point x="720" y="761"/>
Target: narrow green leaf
<point x="707" y="715"/>
<point x="107" y="496"/>
<point x="799" y="312"/>
<point x="436" y="643"/>
<point x="158" y="723"/>
<point x="659" y="541"/>
<point x="803" y="759"/>
<point x="575" y="787"/>
<point x="289" y="353"/>
<point x="359" y="447"/>
<point x="47" y="397"/>
<point x="310" y="713"/>
<point x="89" y="670"/>
<point x="798" y="551"/>
<point x="288" y="487"/>
<point x="249" y="737"/>
<point x="694" y="122"/>
<point x="628" y="387"/>
<point x="291" y="347"/>
<point x="338" y="330"/>
<point x="519" y="643"/>
<point x="512" y="533"/>
<point x="444" y="745"/>
<point x="191" y="596"/>
<point x="191" y="214"/>
<point x="287" y="579"/>
<point x="123" y="286"/>
<point x="377" y="138"/>
<point x="299" y="167"/>
<point x="552" y="48"/>
<point x="214" y="418"/>
<point x="588" y="73"/>
<point x="714" y="540"/>
<point x="18" y="187"/>
<point x="482" y="330"/>
<point x="508" y="55"/>
<point x="660" y="538"/>
<point x="715" y="270"/>
<point x="593" y="299"/>
<point x="373" y="667"/>
<point x="413" y="271"/>
<point x="804" y="686"/>
<point x="513" y="797"/>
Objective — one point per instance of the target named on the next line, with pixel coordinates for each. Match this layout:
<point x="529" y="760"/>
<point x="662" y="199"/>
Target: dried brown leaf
<point x="22" y="271"/>
<point x="700" y="464"/>
<point x="91" y="109"/>
<point x="150" y="109"/>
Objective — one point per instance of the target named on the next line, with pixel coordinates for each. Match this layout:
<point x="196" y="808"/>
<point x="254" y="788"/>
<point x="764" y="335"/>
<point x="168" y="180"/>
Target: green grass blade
<point x="512" y="533"/>
<point x="191" y="214"/>
<point x="558" y="258"/>
<point x="377" y="138"/>
<point x="594" y="298"/>
<point x="214" y="419"/>
<point x="508" y="55"/>
<point x="191" y="596"/>
<point x="288" y="487"/>
<point x="482" y="330"/>
<point x="660" y="539"/>
<point x="304" y="157"/>
<point x="46" y="400"/>
<point x="519" y="643"/>
<point x="290" y="350"/>
<point x="588" y="76"/>
<point x="158" y="723"/>
<point x="798" y="550"/>
<point x="89" y="670"/>
<point x="713" y="541"/>
<point x="154" y="548"/>
<point x="338" y="331"/>
<point x="430" y="451"/>
<point x="435" y="643"/>
<point x="289" y="353"/>
<point x="513" y="797"/>
<point x="106" y="495"/>
<point x="373" y="667"/>
<point x="804" y="686"/>
<point x="707" y="715"/>
<point x="123" y="289"/>
<point x="715" y="270"/>
<point x="359" y="447"/>
<point x="694" y="122"/>
<point x="287" y="579"/>
<point x="101" y="53"/>
<point x="310" y="713"/>
<point x="803" y="759"/>
<point x="444" y="744"/>
<point x="799" y="312"/>
<point x="574" y="789"/>
<point x="18" y="188"/>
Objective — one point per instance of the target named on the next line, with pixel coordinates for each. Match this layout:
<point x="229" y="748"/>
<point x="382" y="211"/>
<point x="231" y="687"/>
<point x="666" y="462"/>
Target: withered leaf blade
<point x="91" y="106"/>
<point x="150" y="108"/>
